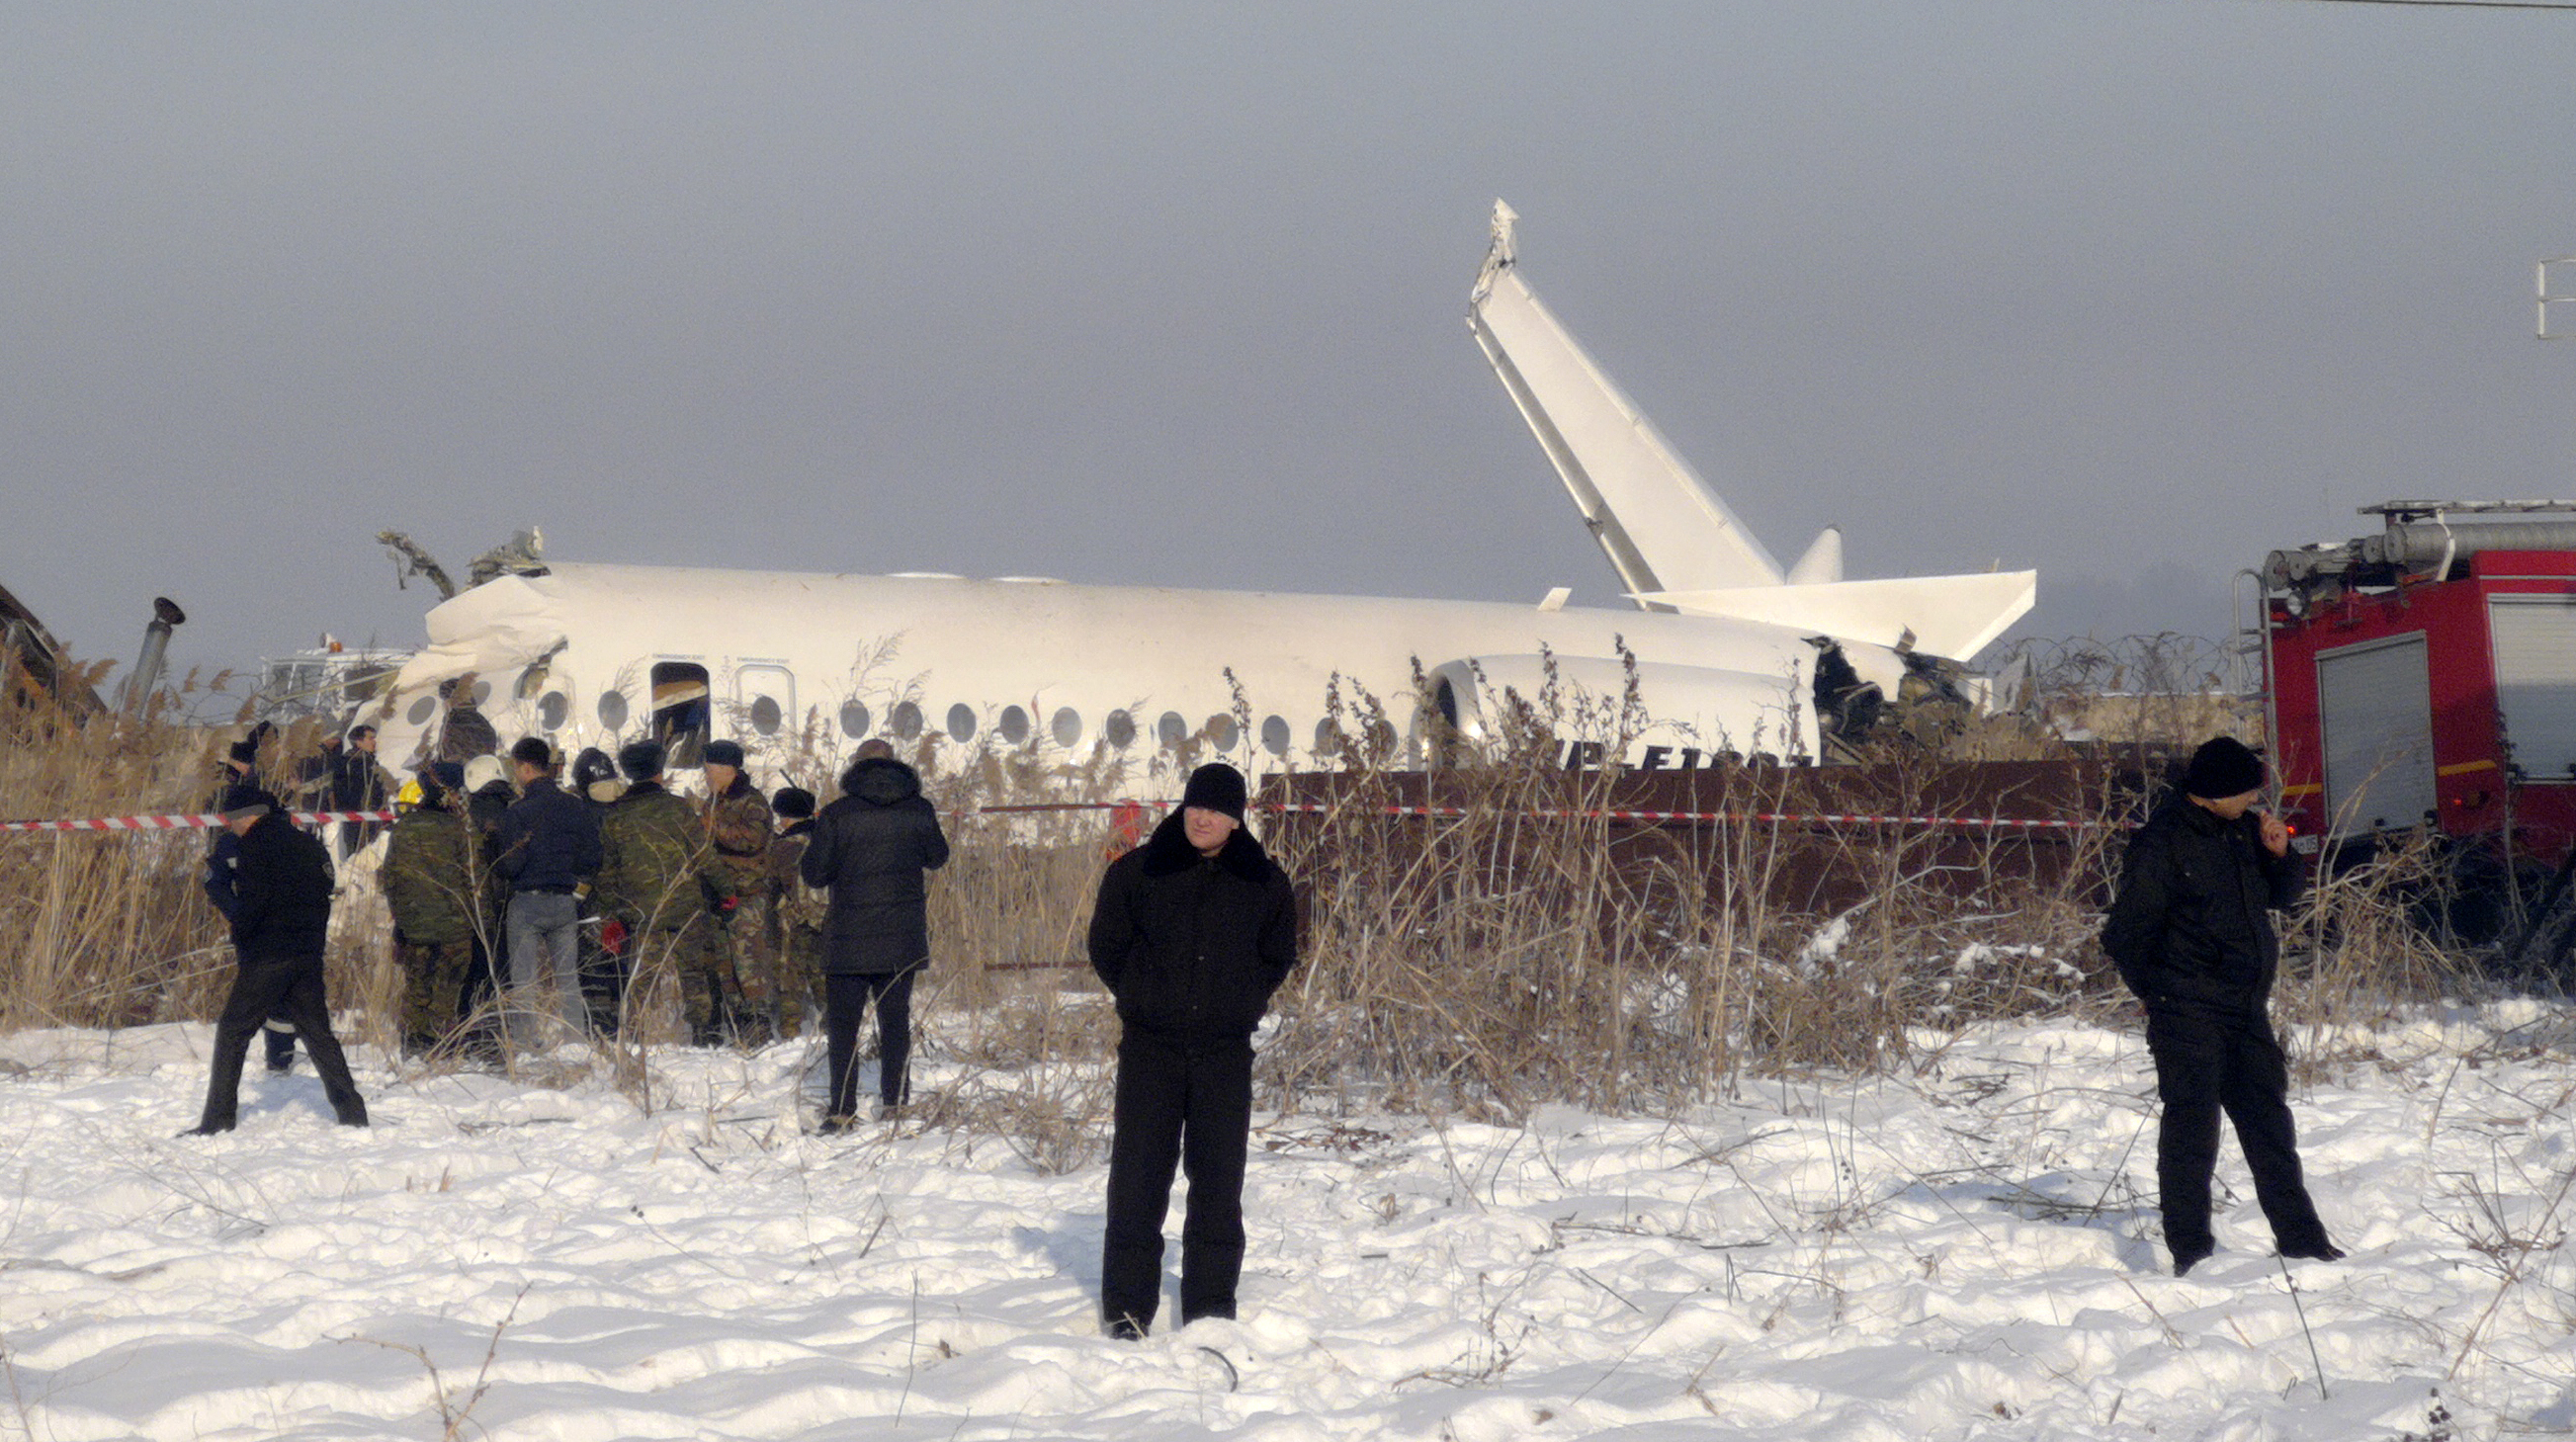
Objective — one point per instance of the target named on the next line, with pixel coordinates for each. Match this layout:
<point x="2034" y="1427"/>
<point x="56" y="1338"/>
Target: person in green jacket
<point x="438" y="883"/>
<point x="653" y="881"/>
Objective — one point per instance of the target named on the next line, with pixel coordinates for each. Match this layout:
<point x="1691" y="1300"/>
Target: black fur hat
<point x="793" y="802"/>
<point x="724" y="753"/>
<point x="641" y="760"/>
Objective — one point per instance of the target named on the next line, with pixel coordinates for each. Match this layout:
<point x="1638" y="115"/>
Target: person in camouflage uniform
<point x="437" y="880"/>
<point x="736" y="817"/>
<point x="792" y="941"/>
<point x="652" y="881"/>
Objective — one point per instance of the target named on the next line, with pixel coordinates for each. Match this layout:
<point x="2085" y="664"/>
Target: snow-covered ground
<point x="1964" y="1250"/>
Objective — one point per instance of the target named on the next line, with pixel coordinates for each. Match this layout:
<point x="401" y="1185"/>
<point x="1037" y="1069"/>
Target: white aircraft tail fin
<point x="1661" y="526"/>
<point x="1952" y="616"/>
<point x="1823" y="562"/>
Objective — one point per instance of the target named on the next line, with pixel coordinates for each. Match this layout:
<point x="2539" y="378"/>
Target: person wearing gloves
<point x="1193" y="932"/>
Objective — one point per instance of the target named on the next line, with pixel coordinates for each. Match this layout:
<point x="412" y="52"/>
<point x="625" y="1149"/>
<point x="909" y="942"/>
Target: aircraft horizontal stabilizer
<point x="1952" y="616"/>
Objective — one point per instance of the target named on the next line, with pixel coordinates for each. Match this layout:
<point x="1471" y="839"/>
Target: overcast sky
<point x="2128" y="291"/>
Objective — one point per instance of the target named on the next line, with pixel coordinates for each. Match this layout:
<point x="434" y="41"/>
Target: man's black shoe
<point x="207" y="1129"/>
<point x="1126" y="1329"/>
<point x="2318" y="1251"/>
<point x="2185" y="1261"/>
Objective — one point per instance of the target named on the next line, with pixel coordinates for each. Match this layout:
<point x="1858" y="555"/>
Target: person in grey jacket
<point x="869" y="850"/>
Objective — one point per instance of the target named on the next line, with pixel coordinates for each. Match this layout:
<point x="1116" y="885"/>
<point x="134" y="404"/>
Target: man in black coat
<point x="241" y="770"/>
<point x="870" y="849"/>
<point x="549" y="849"/>
<point x="2192" y="938"/>
<point x="1192" y="934"/>
<point x="280" y="918"/>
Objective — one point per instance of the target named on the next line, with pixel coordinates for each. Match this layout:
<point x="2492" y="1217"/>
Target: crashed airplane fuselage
<point x="1724" y="648"/>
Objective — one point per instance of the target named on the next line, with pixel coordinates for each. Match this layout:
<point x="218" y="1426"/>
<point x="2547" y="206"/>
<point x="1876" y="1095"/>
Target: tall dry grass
<point x="1520" y="948"/>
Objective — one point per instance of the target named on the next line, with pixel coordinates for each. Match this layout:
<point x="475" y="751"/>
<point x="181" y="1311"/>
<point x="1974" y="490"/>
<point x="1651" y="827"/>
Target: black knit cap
<point x="724" y="753"/>
<point x="1216" y="787"/>
<point x="640" y="760"/>
<point x="245" y="751"/>
<point x="793" y="802"/>
<point x="2223" y="767"/>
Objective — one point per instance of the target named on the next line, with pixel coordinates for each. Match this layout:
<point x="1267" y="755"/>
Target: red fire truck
<point x="2426" y="676"/>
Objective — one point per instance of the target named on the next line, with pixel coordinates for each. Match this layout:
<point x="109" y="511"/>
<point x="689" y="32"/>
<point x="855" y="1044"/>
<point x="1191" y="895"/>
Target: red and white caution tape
<point x="1779" y="818"/>
<point x="182" y="823"/>
<point x="1311" y="808"/>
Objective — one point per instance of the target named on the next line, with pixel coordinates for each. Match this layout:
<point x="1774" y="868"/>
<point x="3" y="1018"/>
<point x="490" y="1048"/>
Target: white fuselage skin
<point x="1067" y="656"/>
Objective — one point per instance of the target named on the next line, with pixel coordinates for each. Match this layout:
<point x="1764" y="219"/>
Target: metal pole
<point x="156" y="641"/>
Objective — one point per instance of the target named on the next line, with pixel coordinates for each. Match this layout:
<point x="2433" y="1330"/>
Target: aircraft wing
<point x="1661" y="526"/>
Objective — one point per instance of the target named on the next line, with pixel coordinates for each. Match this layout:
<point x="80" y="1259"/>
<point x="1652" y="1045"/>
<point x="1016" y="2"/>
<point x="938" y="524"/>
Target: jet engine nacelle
<point x="1688" y="716"/>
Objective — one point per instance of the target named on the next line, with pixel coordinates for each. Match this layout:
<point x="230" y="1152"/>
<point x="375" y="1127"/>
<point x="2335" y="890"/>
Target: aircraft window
<point x="764" y="715"/>
<point x="1014" y="725"/>
<point x="1327" y="736"/>
<point x="1222" y="733"/>
<point x="904" y="720"/>
<point x="682" y="719"/>
<point x="551" y="710"/>
<point x="1119" y="730"/>
<point x="482" y="692"/>
<point x="1067" y="727"/>
<point x="1274" y="735"/>
<point x="961" y="722"/>
<point x="1171" y="730"/>
<point x="612" y="710"/>
<point x="1379" y="739"/>
<point x="530" y="682"/>
<point x="419" y="713"/>
<point x="854" y="719"/>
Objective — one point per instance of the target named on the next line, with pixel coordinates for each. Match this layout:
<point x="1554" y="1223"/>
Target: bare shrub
<point x="1518" y="945"/>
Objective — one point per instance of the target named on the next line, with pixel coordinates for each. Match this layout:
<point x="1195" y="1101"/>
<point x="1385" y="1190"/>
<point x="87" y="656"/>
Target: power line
<point x="2461" y="4"/>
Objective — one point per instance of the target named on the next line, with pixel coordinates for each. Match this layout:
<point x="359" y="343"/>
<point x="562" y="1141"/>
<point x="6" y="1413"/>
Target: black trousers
<point x="845" y="1001"/>
<point x="1190" y="1103"/>
<point x="291" y="988"/>
<point x="2207" y="1063"/>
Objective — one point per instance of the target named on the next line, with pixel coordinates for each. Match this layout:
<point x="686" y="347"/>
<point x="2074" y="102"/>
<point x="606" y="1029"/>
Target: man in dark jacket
<point x="1192" y="934"/>
<point x="358" y="784"/>
<point x="2190" y="934"/>
<point x="223" y="853"/>
<point x="870" y="848"/>
<point x="281" y="915"/>
<point x="549" y="849"/>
